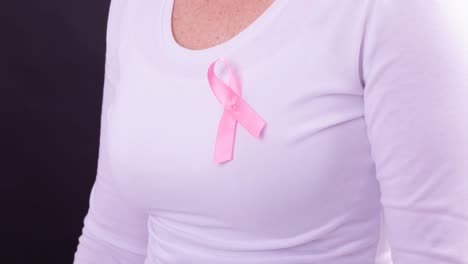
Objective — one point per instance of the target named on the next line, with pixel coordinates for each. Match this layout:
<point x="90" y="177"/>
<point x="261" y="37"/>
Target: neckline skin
<point x="203" y="18"/>
<point x="224" y="49"/>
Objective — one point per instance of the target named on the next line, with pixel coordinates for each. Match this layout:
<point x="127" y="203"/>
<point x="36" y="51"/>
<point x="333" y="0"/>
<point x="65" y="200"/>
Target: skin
<point x="200" y="24"/>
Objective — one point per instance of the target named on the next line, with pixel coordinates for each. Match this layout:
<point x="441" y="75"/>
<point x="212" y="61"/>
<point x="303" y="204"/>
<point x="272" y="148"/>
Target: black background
<point x="51" y="76"/>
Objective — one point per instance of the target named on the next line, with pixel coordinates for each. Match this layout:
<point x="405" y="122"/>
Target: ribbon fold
<point x="236" y="110"/>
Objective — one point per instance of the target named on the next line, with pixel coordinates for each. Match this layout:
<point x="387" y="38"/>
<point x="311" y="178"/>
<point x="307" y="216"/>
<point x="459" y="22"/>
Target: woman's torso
<point x="304" y="192"/>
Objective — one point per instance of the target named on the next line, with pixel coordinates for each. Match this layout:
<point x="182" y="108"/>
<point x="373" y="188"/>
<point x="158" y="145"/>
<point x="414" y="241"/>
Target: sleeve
<point x="415" y="74"/>
<point x="115" y="231"/>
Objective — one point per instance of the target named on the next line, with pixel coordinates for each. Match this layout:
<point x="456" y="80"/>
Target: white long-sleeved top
<point x="365" y="148"/>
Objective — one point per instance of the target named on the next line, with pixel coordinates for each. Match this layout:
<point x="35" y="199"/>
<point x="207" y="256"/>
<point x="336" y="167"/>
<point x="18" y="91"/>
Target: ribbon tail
<point x="249" y="119"/>
<point x="225" y="137"/>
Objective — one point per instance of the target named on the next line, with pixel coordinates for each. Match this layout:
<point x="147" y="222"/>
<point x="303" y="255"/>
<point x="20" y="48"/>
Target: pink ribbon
<point x="235" y="110"/>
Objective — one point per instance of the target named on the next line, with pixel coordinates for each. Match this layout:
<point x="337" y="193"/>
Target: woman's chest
<point x="163" y="128"/>
<point x="163" y="118"/>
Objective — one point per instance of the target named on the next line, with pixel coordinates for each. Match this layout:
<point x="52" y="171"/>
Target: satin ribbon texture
<point x="236" y="110"/>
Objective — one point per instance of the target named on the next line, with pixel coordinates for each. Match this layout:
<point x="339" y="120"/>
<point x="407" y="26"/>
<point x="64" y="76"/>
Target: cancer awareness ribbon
<point x="236" y="110"/>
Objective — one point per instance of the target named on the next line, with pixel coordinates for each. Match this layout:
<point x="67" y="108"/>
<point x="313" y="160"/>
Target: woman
<point x="350" y="126"/>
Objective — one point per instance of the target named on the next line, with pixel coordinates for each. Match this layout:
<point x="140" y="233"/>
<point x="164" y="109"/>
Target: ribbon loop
<point x="236" y="109"/>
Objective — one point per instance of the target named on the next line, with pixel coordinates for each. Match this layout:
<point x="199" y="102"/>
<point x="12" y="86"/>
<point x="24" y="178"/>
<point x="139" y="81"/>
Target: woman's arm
<point x="415" y="69"/>
<point x="114" y="230"/>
